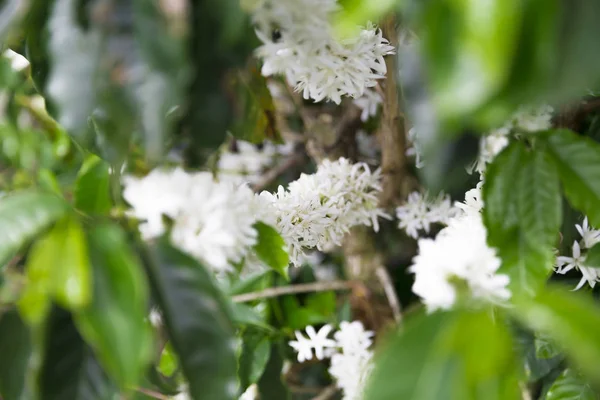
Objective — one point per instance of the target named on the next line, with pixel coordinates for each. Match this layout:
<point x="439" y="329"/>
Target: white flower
<point x="369" y="103"/>
<point x="249" y="161"/>
<point x="351" y="358"/>
<point x="317" y="210"/>
<point x="316" y="341"/>
<point x="414" y="148"/>
<point x="417" y="214"/>
<point x="459" y="253"/>
<point x="212" y="221"/>
<point x="251" y="393"/>
<point x="155" y="318"/>
<point x="534" y="119"/>
<point x="473" y="203"/>
<point x="368" y="146"/>
<point x="589" y="235"/>
<point x="298" y="43"/>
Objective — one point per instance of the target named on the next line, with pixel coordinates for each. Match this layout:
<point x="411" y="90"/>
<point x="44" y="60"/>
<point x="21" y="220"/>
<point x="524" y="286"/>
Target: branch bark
<point x="293" y="289"/>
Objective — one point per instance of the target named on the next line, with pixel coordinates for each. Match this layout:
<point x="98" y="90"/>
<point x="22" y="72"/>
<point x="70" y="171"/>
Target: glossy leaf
<point x="256" y="351"/>
<point x="523" y="214"/>
<point x="272" y="249"/>
<point x="92" y="188"/>
<point x="15" y="347"/>
<point x="75" y="55"/>
<point x="592" y="258"/>
<point x="271" y="385"/>
<point x="168" y="363"/>
<point x="570" y="386"/>
<point x="114" y="323"/>
<point x="23" y="215"/>
<point x="244" y="315"/>
<point x="197" y="320"/>
<point x="57" y="267"/>
<point x="571" y="320"/>
<point x="578" y="161"/>
<point x="69" y="369"/>
<point x="457" y="355"/>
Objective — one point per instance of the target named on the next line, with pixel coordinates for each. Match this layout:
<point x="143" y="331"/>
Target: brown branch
<point x="293" y="289"/>
<point x="390" y="292"/>
<point x="392" y="131"/>
<point x="271" y="175"/>
<point x="326" y="394"/>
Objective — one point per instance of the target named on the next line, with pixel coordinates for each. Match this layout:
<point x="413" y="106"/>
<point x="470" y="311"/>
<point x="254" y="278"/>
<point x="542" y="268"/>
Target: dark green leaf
<point x="256" y="351"/>
<point x="570" y="319"/>
<point x="523" y="214"/>
<point x="75" y="57"/>
<point x="23" y="215"/>
<point x="457" y="355"/>
<point x="15" y="347"/>
<point x="570" y="386"/>
<point x="592" y="258"/>
<point x="272" y="249"/>
<point x="578" y="161"/>
<point x="252" y="283"/>
<point x="271" y="385"/>
<point x="197" y="321"/>
<point x="92" y="188"/>
<point x="114" y="324"/>
<point x="245" y="315"/>
<point x="69" y="369"/>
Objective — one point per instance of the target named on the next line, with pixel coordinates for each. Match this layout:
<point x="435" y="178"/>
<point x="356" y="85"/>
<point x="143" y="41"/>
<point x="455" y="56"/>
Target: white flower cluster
<point x="349" y="351"/>
<point x="317" y="210"/>
<point x="564" y="264"/>
<point x="298" y="42"/>
<point x="418" y="213"/>
<point x="249" y="161"/>
<point x="525" y="120"/>
<point x="212" y="221"/>
<point x="369" y="104"/>
<point x="459" y="257"/>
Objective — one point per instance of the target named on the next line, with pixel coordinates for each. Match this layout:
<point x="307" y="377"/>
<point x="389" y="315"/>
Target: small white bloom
<point x="589" y="235"/>
<point x="417" y="214"/>
<point x="251" y="393"/>
<point x="369" y="104"/>
<point x="317" y="341"/>
<point x="565" y="264"/>
<point x="414" y="149"/>
<point x="353" y="338"/>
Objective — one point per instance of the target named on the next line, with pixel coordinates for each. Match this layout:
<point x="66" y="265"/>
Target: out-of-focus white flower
<point x="351" y="357"/>
<point x="528" y="119"/>
<point x="564" y="264"/>
<point x="459" y="255"/>
<point x="316" y="341"/>
<point x="368" y="146"/>
<point x="417" y="214"/>
<point x="249" y="161"/>
<point x="212" y="221"/>
<point x="251" y="393"/>
<point x="369" y="104"/>
<point x="155" y="318"/>
<point x="183" y="394"/>
<point x="18" y="62"/>
<point x="414" y="149"/>
<point x="298" y="43"/>
<point x="317" y="210"/>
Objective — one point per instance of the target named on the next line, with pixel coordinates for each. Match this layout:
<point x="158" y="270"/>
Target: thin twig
<point x="328" y="393"/>
<point x="151" y="393"/>
<point x="271" y="175"/>
<point x="300" y="288"/>
<point x="390" y="292"/>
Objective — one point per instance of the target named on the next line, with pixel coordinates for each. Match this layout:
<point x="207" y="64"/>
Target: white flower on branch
<point x="298" y="43"/>
<point x="249" y="161"/>
<point x="317" y="210"/>
<point x="212" y="221"/>
<point x="351" y="357"/>
<point x="458" y="262"/>
<point x="564" y="264"/>
<point x="369" y="103"/>
<point x="418" y="213"/>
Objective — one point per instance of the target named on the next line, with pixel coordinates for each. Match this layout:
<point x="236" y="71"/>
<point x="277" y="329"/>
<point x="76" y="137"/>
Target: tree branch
<point x="390" y="292"/>
<point x="271" y="175"/>
<point x="392" y="131"/>
<point x="326" y="394"/>
<point x="293" y="289"/>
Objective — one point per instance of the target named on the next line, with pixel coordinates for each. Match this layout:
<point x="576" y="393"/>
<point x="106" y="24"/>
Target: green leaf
<point x="545" y="347"/>
<point x="114" y="324"/>
<point x="355" y="13"/>
<point x="523" y="213"/>
<point x="252" y="283"/>
<point x="69" y="369"/>
<point x="15" y="347"/>
<point x="272" y="249"/>
<point x="92" y="188"/>
<point x="457" y="355"/>
<point x="75" y="57"/>
<point x="570" y="319"/>
<point x="592" y="258"/>
<point x="570" y="386"/>
<point x="245" y="315"/>
<point x="57" y="266"/>
<point x="271" y="384"/>
<point x="168" y="363"/>
<point x="578" y="161"/>
<point x="197" y="321"/>
<point x="256" y="351"/>
<point x="23" y="215"/>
